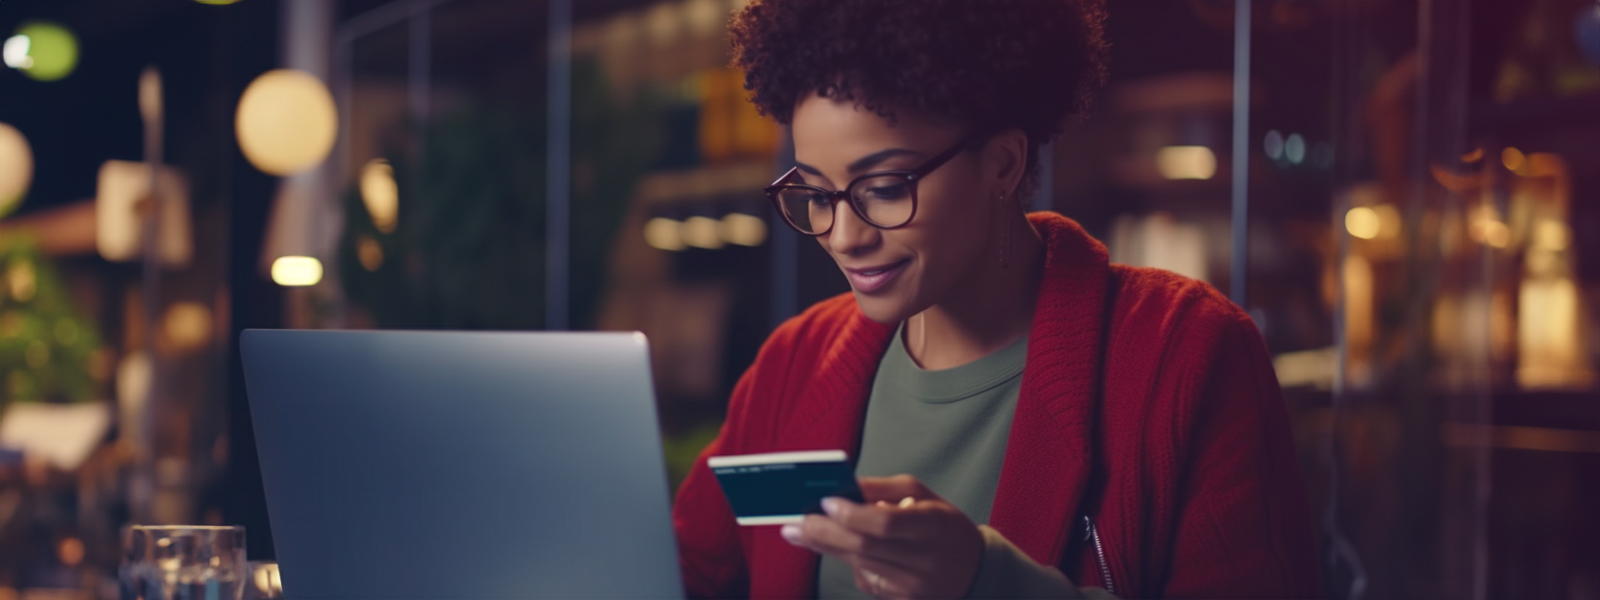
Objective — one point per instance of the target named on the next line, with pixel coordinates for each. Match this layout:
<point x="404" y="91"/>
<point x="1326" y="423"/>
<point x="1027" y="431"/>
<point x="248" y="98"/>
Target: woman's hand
<point x="904" y="542"/>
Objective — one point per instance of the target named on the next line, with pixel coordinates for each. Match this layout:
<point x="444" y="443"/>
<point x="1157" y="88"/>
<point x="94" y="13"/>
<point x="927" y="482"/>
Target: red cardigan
<point x="1148" y="402"/>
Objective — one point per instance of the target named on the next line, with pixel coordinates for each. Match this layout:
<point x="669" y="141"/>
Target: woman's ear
<point x="1006" y="161"/>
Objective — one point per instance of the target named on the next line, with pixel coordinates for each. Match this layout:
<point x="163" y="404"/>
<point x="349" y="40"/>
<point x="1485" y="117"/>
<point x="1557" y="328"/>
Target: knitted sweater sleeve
<point x="1242" y="528"/>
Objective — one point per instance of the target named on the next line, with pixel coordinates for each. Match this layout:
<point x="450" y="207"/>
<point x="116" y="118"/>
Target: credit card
<point x="783" y="487"/>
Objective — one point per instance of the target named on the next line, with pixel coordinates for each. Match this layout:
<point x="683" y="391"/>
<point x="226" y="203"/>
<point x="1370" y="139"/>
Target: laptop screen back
<point x="461" y="465"/>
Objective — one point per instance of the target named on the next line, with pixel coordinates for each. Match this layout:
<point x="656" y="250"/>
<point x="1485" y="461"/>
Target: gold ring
<point x="907" y="502"/>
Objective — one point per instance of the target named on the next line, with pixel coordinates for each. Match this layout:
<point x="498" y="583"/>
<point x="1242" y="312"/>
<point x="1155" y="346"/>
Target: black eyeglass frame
<point x="835" y="197"/>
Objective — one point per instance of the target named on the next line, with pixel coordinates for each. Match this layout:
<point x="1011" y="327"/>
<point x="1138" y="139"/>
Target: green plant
<point x="468" y="243"/>
<point x="468" y="247"/>
<point x="46" y="347"/>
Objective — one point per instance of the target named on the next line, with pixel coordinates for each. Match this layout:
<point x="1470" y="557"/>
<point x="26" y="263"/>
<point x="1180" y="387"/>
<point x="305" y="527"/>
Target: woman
<point x="1027" y="419"/>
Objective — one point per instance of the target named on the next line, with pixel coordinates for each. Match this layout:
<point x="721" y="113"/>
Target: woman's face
<point x="897" y="273"/>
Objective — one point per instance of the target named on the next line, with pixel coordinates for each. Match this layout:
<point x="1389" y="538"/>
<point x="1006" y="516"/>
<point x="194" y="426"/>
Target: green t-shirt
<point x="948" y="428"/>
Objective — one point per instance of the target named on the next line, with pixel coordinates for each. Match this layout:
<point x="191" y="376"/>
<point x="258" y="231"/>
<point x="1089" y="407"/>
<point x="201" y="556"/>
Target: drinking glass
<point x="182" y="562"/>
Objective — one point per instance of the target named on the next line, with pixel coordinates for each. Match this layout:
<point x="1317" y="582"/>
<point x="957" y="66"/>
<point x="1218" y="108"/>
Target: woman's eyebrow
<point x="872" y="160"/>
<point x="865" y="162"/>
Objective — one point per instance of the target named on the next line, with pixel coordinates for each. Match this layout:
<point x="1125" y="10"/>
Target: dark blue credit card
<point x="782" y="487"/>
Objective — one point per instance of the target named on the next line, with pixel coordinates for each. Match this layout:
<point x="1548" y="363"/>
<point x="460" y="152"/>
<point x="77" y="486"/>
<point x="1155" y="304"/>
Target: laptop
<point x="405" y="464"/>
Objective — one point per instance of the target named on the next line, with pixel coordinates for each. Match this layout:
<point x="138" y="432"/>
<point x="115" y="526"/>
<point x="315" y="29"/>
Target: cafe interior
<point x="1404" y="195"/>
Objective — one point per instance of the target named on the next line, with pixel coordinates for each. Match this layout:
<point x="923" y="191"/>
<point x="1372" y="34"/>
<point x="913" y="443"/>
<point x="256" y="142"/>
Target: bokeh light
<point x="70" y="551"/>
<point x="43" y="50"/>
<point x="369" y="252"/>
<point x="187" y="326"/>
<point x="380" y="194"/>
<point x="1388" y="221"/>
<point x="286" y="122"/>
<point x="1186" y="162"/>
<point x="21" y="282"/>
<point x="662" y="233"/>
<point x="1512" y="158"/>
<point x="16" y="168"/>
<point x="1273" y="145"/>
<point x="296" y="271"/>
<point x="268" y="581"/>
<point x="1487" y="229"/>
<point x="744" y="230"/>
<point x="120" y="195"/>
<point x="1294" y="149"/>
<point x="15" y="52"/>
<point x="1362" y="222"/>
<point x="702" y="232"/>
<point x="1552" y="234"/>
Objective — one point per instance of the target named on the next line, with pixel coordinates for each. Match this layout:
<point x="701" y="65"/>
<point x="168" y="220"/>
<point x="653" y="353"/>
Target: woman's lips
<point x="872" y="279"/>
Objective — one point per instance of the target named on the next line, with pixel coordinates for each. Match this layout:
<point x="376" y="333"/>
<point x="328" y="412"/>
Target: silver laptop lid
<point x="461" y="465"/>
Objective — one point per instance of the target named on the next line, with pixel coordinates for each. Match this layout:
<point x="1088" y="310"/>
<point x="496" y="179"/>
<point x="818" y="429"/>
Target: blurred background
<point x="1406" y="199"/>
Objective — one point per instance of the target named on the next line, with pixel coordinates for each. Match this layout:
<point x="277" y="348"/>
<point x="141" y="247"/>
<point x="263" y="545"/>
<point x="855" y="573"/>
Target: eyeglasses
<point x="886" y="199"/>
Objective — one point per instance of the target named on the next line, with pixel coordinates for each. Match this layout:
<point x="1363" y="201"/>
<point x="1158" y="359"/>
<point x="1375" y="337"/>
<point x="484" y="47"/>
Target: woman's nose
<point x="850" y="234"/>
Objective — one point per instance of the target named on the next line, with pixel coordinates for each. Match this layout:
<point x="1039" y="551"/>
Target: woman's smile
<point x="867" y="280"/>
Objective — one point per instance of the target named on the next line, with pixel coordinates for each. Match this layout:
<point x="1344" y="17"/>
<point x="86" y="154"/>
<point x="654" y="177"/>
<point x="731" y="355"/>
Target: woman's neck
<point x="989" y="310"/>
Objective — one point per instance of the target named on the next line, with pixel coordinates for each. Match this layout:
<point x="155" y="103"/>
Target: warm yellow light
<point x="1545" y="164"/>
<point x="1359" y="317"/>
<point x="1491" y="232"/>
<point x="286" y="122"/>
<point x="1388" y="221"/>
<point x="268" y="580"/>
<point x="1186" y="162"/>
<point x="1363" y="222"/>
<point x="263" y="579"/>
<point x="296" y="271"/>
<point x="1542" y="262"/>
<point x="380" y="194"/>
<point x="1551" y="234"/>
<point x="1550" y="349"/>
<point x="16" y="168"/>
<point x="187" y="325"/>
<point x="744" y="230"/>
<point x="369" y="252"/>
<point x="121" y="194"/>
<point x="20" y="281"/>
<point x="701" y="232"/>
<point x="663" y="234"/>
<point x="1512" y="158"/>
<point x="70" y="551"/>
<point x="217" y="2"/>
<point x="42" y="50"/>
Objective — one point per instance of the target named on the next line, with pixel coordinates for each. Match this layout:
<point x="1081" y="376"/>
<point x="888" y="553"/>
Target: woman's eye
<point x="886" y="192"/>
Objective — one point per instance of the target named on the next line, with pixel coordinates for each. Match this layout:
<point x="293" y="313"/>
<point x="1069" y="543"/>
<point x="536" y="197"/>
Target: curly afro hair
<point x="988" y="64"/>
